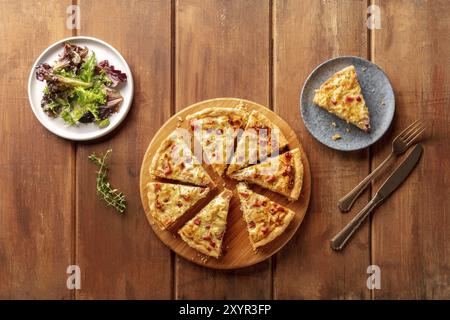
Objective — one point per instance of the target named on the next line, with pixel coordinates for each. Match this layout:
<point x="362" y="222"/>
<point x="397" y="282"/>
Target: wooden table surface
<point x="184" y="51"/>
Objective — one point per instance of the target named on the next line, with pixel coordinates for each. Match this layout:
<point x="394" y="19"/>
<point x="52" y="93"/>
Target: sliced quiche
<point x="260" y="139"/>
<point x="168" y="202"/>
<point x="341" y="95"/>
<point x="205" y="231"/>
<point x="282" y="174"/>
<point x="265" y="219"/>
<point x="174" y="160"/>
<point x="216" y="128"/>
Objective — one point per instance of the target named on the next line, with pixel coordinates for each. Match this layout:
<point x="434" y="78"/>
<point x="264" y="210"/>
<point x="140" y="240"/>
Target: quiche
<point x="282" y="174"/>
<point x="205" y="231"/>
<point x="260" y="139"/>
<point x="168" y="202"/>
<point x="174" y="160"/>
<point x="216" y="129"/>
<point x="341" y="95"/>
<point x="265" y="219"/>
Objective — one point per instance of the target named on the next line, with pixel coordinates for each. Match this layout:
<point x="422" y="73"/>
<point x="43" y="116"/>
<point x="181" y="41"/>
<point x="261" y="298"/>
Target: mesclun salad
<point x="80" y="90"/>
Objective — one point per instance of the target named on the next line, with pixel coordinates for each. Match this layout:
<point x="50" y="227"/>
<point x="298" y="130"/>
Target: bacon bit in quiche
<point x="348" y="99"/>
<point x="208" y="226"/>
<point x="257" y="203"/>
<point x="179" y="204"/>
<point x="271" y="179"/>
<point x="197" y="221"/>
<point x="213" y="244"/>
<point x="220" y="235"/>
<point x="287" y="171"/>
<point x="264" y="230"/>
<point x="244" y="194"/>
<point x="358" y="98"/>
<point x="280" y="209"/>
<point x="158" y="204"/>
<point x="288" y="156"/>
<point x="251" y="224"/>
<point x="186" y="197"/>
<point x="219" y="131"/>
<point x="333" y="101"/>
<point x="182" y="165"/>
<point x="157" y="187"/>
<point x="167" y="170"/>
<point x="207" y="237"/>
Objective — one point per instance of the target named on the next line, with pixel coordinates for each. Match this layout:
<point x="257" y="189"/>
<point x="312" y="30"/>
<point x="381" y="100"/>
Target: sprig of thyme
<point x="112" y="197"/>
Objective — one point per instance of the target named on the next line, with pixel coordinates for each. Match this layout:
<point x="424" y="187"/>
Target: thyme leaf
<point x="113" y="197"/>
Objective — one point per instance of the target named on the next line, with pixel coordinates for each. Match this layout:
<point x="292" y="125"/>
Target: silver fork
<point x="401" y="143"/>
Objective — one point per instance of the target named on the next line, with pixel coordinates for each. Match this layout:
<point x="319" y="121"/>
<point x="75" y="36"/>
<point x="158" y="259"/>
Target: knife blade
<point x="390" y="185"/>
<point x="401" y="172"/>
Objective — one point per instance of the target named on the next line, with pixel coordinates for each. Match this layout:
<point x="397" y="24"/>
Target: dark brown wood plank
<point x="305" y="34"/>
<point x="36" y="181"/>
<point x="410" y="231"/>
<point x="222" y="50"/>
<point x="120" y="256"/>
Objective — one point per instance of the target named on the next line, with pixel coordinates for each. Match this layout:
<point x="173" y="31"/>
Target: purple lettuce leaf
<point x="116" y="76"/>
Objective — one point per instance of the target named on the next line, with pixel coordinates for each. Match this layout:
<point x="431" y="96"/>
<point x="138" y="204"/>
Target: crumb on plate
<point x="334" y="124"/>
<point x="335" y="137"/>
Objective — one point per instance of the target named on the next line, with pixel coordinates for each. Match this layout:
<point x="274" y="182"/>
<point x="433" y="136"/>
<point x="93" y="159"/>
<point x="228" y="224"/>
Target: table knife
<point x="393" y="182"/>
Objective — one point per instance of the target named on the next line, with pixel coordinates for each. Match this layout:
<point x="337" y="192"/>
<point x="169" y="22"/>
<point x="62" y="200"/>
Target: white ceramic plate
<point x="80" y="132"/>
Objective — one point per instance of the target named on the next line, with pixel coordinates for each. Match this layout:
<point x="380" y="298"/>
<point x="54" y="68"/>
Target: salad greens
<point x="80" y="90"/>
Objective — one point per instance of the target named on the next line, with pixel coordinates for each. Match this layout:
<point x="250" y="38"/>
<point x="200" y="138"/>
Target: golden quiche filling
<point x="168" y="202"/>
<point x="260" y="139"/>
<point x="174" y="160"/>
<point x="265" y="219"/>
<point x="205" y="231"/>
<point x="341" y="95"/>
<point x="216" y="129"/>
<point x="282" y="174"/>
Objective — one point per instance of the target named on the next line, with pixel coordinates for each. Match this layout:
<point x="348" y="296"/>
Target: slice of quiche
<point x="265" y="219"/>
<point x="216" y="128"/>
<point x="260" y="139"/>
<point x="174" y="160"/>
<point x="341" y="95"/>
<point x="168" y="202"/>
<point x="282" y="174"/>
<point x="205" y="231"/>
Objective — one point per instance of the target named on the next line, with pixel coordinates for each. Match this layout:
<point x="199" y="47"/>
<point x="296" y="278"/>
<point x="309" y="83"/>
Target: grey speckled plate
<point x="377" y="92"/>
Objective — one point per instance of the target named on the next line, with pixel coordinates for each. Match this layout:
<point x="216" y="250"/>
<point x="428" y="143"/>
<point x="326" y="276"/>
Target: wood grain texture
<point x="222" y="50"/>
<point x="410" y="233"/>
<point x="119" y="255"/>
<point x="238" y="251"/>
<point x="36" y="188"/>
<point x="305" y="34"/>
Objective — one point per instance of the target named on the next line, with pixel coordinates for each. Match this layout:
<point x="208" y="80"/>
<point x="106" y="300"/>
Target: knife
<point x="393" y="182"/>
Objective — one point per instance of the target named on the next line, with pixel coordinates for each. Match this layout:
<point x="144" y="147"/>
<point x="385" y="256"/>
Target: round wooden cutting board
<point x="237" y="250"/>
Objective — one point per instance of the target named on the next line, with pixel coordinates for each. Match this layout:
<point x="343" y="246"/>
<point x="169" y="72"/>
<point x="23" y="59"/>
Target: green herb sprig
<point x="113" y="197"/>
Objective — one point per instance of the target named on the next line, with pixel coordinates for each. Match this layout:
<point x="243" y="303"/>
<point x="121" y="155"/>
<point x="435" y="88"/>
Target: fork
<point x="401" y="143"/>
